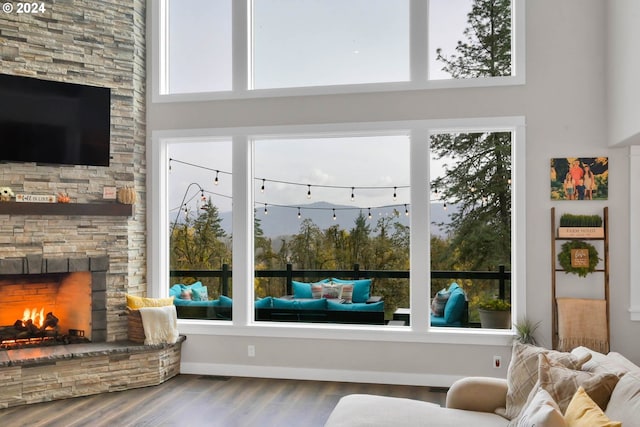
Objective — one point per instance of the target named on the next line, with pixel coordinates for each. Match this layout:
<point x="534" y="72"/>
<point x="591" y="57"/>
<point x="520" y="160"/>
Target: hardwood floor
<point x="200" y="400"/>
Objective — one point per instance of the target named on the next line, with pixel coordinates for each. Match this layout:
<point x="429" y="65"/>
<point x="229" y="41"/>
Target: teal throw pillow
<point x="361" y="289"/>
<point x="301" y="289"/>
<point x="176" y="290"/>
<point x="199" y="293"/>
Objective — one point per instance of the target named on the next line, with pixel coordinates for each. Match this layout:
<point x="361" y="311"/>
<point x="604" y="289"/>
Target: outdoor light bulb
<point x="334" y="214"/>
<point x="369" y="213"/>
<point x="395" y="193"/>
<point x="299" y="214"/>
<point x="445" y="206"/>
<point x="266" y="212"/>
<point x="352" y="195"/>
<point x="406" y="211"/>
<point x="262" y="188"/>
<point x="215" y="181"/>
<point x="308" y="192"/>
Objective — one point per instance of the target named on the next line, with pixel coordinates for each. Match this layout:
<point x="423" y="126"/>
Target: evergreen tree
<point x="487" y="49"/>
<point x="359" y="242"/>
<point x="477" y="181"/>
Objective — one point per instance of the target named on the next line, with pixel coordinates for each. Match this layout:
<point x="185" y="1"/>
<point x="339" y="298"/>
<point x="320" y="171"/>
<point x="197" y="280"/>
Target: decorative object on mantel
<point x="578" y="257"/>
<point x="127" y="195"/>
<point x="581" y="226"/>
<point x="36" y="198"/>
<point x="6" y="194"/>
<point x="63" y="198"/>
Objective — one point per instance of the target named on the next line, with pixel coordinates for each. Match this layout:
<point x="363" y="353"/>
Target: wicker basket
<point x="135" y="328"/>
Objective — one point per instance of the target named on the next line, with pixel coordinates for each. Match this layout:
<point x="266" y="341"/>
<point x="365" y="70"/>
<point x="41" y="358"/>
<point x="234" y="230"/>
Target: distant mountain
<point x="284" y="221"/>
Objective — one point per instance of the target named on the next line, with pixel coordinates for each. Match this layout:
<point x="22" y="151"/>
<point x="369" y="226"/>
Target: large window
<point x="471" y="175"/>
<point x="200" y="230"/>
<point x="411" y="206"/>
<point x="335" y="212"/>
<point x="198" y="44"/>
<point x="272" y="47"/>
<point x="329" y="42"/>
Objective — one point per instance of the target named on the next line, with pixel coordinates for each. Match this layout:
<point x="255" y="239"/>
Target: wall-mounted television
<point x="54" y="122"/>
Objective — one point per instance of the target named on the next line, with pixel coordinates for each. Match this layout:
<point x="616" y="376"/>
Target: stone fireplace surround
<point x="41" y="374"/>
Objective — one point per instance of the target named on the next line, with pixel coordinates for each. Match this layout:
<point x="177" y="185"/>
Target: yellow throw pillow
<point x="135" y="303"/>
<point x="583" y="412"/>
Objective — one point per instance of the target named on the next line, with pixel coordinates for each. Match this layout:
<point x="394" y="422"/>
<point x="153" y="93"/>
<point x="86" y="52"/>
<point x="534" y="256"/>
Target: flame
<point x="37" y="317"/>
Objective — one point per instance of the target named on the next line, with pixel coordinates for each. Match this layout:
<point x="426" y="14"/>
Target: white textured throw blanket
<point x="160" y="324"/>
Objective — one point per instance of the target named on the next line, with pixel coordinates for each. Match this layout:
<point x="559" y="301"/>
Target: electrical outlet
<point x="497" y="362"/>
<point x="251" y="351"/>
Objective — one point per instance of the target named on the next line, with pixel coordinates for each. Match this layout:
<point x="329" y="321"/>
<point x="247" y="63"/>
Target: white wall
<point x="564" y="104"/>
<point x="623" y="68"/>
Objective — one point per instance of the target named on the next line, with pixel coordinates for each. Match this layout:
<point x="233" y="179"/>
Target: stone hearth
<point x="34" y="375"/>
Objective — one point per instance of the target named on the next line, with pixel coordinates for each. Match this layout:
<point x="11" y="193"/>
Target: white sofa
<point x="478" y="401"/>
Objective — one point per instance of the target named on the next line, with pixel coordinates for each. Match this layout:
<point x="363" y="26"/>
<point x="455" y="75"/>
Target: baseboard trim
<point x="374" y="377"/>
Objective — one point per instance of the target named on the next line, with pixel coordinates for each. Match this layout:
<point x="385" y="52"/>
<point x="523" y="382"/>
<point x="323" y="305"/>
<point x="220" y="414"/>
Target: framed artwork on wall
<point x="580" y="178"/>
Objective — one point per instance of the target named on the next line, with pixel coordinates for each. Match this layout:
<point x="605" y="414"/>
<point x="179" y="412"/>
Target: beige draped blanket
<point x="582" y="322"/>
<point x="160" y="324"/>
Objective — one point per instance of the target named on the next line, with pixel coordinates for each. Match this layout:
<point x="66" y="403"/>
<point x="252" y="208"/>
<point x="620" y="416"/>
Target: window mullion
<point x="242" y="213"/>
<point x="241" y="48"/>
<point x="420" y="231"/>
<point x="419" y="40"/>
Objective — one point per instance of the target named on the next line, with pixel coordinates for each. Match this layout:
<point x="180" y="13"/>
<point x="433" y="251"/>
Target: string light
<point x="445" y="206"/>
<point x="299" y="214"/>
<point x="262" y="188"/>
<point x="308" y="191"/>
<point x="369" y="216"/>
<point x="406" y="210"/>
<point x="334" y="214"/>
<point x="216" y="181"/>
<point x="352" y="195"/>
<point x="266" y="212"/>
<point x="395" y="193"/>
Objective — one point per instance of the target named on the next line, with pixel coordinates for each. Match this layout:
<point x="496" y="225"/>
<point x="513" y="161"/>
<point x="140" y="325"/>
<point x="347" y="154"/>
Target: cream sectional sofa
<point x="611" y="381"/>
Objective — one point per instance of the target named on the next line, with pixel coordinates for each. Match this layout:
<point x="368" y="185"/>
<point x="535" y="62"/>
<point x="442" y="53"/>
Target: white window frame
<point x="241" y="30"/>
<point x="243" y="256"/>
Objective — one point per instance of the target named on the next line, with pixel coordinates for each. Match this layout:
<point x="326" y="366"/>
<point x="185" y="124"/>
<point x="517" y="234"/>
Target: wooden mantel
<point x="68" y="209"/>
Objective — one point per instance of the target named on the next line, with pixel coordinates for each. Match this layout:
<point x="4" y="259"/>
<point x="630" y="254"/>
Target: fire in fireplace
<point x="45" y="309"/>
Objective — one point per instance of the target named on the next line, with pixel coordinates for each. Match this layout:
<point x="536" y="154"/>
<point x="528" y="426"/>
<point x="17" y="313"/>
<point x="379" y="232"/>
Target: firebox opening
<point x="45" y="309"/>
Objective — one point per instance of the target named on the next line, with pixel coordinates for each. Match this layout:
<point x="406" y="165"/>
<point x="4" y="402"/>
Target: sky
<point x="333" y="42"/>
<point x="327" y="48"/>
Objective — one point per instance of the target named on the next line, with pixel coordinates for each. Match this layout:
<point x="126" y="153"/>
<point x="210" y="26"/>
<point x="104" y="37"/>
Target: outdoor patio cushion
<point x="335" y="305"/>
<point x="455" y="305"/>
<point x="439" y="321"/>
<point x="316" y="304"/>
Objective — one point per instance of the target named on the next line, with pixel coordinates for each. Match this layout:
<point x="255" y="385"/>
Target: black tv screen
<point x="54" y="122"/>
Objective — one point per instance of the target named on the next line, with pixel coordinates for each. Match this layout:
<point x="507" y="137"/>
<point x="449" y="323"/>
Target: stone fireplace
<point x="52" y="301"/>
<point x="75" y="289"/>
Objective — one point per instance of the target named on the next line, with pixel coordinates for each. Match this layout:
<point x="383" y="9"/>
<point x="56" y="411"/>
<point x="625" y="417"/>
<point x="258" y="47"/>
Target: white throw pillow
<point x="541" y="411"/>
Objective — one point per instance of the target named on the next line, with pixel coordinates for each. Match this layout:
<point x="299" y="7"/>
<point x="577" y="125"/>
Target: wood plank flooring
<point x="200" y="400"/>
